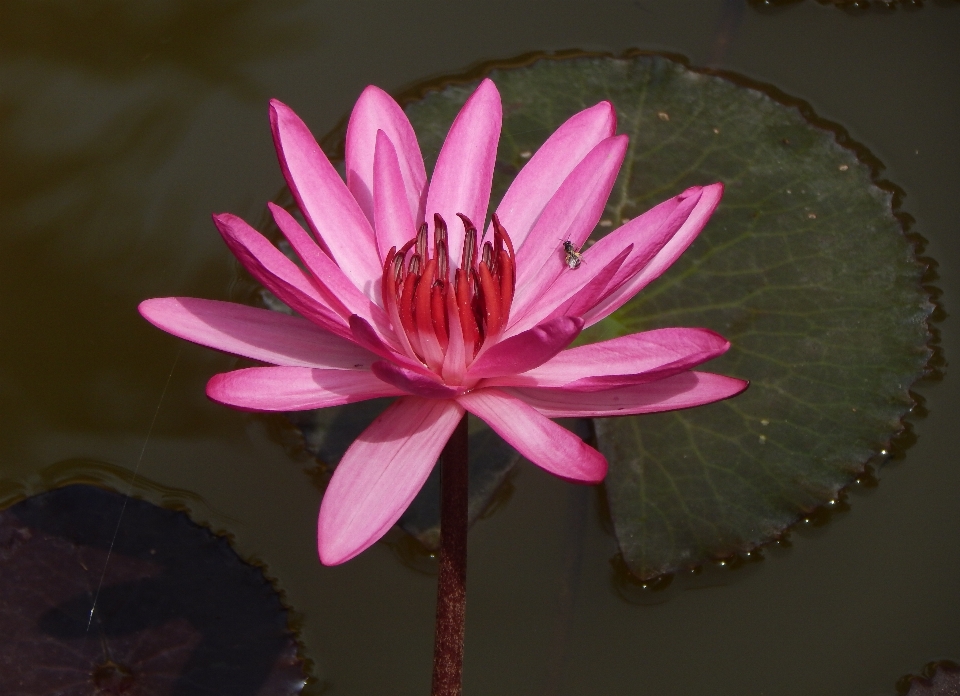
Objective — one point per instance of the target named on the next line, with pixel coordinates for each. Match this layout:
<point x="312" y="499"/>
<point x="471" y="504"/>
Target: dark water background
<point x="124" y="125"/>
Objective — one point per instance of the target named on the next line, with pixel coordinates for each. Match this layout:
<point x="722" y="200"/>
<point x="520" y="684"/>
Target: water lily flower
<point x="400" y="294"/>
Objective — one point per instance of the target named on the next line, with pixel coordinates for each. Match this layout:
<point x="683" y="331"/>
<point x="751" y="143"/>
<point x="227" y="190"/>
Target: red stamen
<point x="499" y="231"/>
<point x="468" y="324"/>
<point x="422" y="241"/>
<point x="469" y="243"/>
<point x="406" y="311"/>
<point x="389" y="272"/>
<point x="432" y="354"/>
<point x="477" y="305"/>
<point x="404" y="249"/>
<point x="443" y="261"/>
<point x="439" y="232"/>
<point x="421" y="297"/>
<point x="491" y="301"/>
<point x="487" y="257"/>
<point x="422" y="312"/>
<point x="506" y="286"/>
<point x="390" y="287"/>
<point x="397" y="277"/>
<point x="388" y="283"/>
<point x="438" y="307"/>
<point x="455" y="356"/>
<point x="414" y="265"/>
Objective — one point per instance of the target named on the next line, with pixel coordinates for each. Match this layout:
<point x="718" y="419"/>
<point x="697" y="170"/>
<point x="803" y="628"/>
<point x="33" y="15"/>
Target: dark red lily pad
<point x="938" y="679"/>
<point x="855" y="6"/>
<point x="177" y="612"/>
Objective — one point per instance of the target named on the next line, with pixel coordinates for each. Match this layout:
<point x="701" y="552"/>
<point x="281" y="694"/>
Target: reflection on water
<point x="99" y="100"/>
<point x="573" y="532"/>
<point x="212" y="40"/>
<point x="97" y="94"/>
<point x="731" y="17"/>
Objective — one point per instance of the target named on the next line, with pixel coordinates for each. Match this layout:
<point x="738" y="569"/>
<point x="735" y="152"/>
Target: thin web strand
<point x="133" y="480"/>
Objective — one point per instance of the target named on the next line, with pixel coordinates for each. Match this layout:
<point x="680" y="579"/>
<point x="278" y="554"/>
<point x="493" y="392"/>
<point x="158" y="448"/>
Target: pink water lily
<point x="401" y="294"/>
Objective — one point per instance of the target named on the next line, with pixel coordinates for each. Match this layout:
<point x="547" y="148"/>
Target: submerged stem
<point x="452" y="583"/>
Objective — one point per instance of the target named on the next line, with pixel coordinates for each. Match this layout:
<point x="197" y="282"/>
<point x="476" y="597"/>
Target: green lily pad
<point x="804" y="268"/>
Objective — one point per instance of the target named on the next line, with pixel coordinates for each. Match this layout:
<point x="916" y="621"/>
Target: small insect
<point x="572" y="256"/>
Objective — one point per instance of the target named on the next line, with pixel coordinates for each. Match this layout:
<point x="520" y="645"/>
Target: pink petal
<point x="364" y="335"/>
<point x="539" y="439"/>
<point x="277" y="273"/>
<point x="527" y="350"/>
<point x="671" y="250"/>
<point x="540" y="178"/>
<point x="464" y="173"/>
<point x="680" y="391"/>
<point x="374" y="111"/>
<point x="571" y="214"/>
<point x="381" y="473"/>
<point x="411" y="382"/>
<point x="645" y="237"/>
<point x="254" y="333"/>
<point x="340" y="293"/>
<point x="634" y="359"/>
<point x="648" y="234"/>
<point x="295" y="388"/>
<point x="394" y="222"/>
<point x="328" y="206"/>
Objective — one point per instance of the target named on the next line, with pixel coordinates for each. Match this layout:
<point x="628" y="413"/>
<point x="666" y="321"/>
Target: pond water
<point x="123" y="127"/>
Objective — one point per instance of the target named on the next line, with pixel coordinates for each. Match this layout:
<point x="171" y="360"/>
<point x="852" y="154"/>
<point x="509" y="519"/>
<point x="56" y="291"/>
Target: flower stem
<point x="452" y="583"/>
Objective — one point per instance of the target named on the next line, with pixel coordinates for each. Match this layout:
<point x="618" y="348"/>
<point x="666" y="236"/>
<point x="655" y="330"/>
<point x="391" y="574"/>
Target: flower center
<point x="435" y="308"/>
